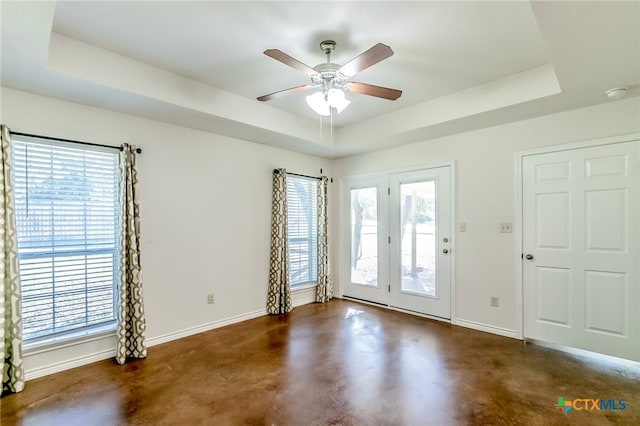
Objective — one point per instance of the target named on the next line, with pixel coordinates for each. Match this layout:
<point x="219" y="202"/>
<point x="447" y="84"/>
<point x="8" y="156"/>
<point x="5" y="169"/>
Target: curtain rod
<point x="138" y="150"/>
<point x="307" y="176"/>
<point x="298" y="174"/>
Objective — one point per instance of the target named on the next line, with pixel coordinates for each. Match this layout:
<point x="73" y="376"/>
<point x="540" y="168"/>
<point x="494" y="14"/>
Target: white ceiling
<point x="461" y="65"/>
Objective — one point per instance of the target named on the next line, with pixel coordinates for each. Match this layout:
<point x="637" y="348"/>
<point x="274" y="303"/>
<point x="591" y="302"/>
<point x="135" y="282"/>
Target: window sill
<point x="70" y="339"/>
<point x="303" y="287"/>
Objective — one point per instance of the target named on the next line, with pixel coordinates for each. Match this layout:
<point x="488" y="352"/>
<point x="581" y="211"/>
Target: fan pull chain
<point x="331" y="148"/>
<point x="26" y="177"/>
<point x="331" y="124"/>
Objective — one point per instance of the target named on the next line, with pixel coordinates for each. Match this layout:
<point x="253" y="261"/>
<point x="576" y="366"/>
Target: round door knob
<point x="445" y="251"/>
<point x="529" y="257"/>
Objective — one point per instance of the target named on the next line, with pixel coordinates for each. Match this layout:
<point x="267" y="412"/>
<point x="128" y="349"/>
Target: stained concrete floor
<point x="341" y="363"/>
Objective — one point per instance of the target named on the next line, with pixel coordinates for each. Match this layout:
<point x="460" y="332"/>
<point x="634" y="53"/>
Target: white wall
<point x="485" y="196"/>
<point x="206" y="198"/>
<point x="205" y="217"/>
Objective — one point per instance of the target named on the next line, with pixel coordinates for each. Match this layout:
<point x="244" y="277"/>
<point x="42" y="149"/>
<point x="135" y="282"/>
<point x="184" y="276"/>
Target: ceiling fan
<point x="332" y="80"/>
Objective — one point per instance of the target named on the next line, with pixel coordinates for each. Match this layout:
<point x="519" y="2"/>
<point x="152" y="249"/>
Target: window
<point x="66" y="206"/>
<point x="302" y="221"/>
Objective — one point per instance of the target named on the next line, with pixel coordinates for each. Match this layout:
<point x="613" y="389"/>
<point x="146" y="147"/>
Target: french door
<point x="399" y="240"/>
<point x="581" y="248"/>
<point x="365" y="213"/>
<point x="420" y="244"/>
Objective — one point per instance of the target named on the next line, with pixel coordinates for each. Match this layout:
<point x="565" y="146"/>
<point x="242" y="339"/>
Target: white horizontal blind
<point x="302" y="221"/>
<point x="66" y="205"/>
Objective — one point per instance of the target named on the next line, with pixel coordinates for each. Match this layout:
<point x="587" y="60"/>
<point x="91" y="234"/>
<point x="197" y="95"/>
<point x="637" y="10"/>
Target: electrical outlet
<point x="462" y="227"/>
<point x="495" y="301"/>
<point x="211" y="298"/>
<point x="506" y="228"/>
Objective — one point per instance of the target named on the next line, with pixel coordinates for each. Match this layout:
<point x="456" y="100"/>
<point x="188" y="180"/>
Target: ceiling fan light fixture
<point x="319" y="104"/>
<point x="337" y="100"/>
<point x="322" y="104"/>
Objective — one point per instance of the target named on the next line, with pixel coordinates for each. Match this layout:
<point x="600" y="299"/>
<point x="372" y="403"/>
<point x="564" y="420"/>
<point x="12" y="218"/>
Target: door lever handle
<point x="529" y="257"/>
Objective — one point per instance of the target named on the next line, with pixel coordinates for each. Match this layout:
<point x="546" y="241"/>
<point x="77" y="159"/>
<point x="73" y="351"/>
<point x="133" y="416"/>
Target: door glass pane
<point x="417" y="232"/>
<point x="364" y="236"/>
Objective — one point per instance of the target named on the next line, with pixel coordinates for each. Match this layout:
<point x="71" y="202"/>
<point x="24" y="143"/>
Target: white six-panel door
<point x="581" y="248"/>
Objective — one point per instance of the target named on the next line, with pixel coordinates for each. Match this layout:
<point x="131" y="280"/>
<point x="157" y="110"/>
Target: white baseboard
<point x="461" y="322"/>
<point x="204" y="327"/>
<point x="221" y="323"/>
<point x="486" y="328"/>
<point x="304" y="301"/>
<point x="57" y="367"/>
<point x="303" y="298"/>
<point x="45" y="370"/>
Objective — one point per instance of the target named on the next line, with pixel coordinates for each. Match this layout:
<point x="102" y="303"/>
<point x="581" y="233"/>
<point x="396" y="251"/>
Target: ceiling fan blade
<point x="279" y="55"/>
<point x="371" y="90"/>
<point x="376" y="54"/>
<point x="285" y="92"/>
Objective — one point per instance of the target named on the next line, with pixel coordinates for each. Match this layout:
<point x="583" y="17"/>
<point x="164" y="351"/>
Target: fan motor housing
<point x="327" y="72"/>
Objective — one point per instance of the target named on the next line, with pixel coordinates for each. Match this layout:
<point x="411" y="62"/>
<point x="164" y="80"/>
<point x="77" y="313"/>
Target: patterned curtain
<point x="279" y="297"/>
<point x="10" y="318"/>
<point x="324" y="290"/>
<point x="131" y="322"/>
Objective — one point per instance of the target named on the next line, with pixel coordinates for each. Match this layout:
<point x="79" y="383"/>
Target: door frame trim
<point x="343" y="265"/>
<point x="517" y="226"/>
